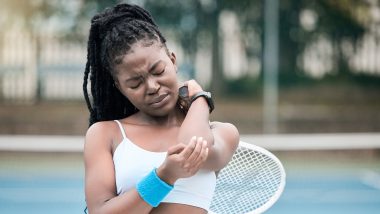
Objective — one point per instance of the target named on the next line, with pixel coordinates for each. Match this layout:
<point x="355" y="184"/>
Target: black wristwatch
<point x="207" y="96"/>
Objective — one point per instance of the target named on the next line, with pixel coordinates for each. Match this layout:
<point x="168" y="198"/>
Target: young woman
<point x="148" y="150"/>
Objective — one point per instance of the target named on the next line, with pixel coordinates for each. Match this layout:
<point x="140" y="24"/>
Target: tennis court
<point x="326" y="180"/>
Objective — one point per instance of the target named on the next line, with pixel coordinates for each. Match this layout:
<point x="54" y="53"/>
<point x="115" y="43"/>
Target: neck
<point x="175" y="118"/>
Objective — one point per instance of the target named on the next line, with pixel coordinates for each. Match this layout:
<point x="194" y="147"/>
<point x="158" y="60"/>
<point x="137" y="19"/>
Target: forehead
<point x="141" y="56"/>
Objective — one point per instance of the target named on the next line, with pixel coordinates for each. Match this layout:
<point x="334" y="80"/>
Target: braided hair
<point x="112" y="34"/>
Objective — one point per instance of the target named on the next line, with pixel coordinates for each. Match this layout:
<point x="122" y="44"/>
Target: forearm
<point x="196" y="123"/>
<point x="221" y="141"/>
<point x="129" y="202"/>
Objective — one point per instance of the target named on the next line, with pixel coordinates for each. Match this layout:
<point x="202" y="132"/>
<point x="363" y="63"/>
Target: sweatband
<point x="152" y="189"/>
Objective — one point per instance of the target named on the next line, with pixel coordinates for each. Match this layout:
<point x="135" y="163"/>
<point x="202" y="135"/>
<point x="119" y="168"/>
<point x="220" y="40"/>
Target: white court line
<point x="371" y="179"/>
<point x="325" y="196"/>
<point x="38" y="143"/>
<point x="285" y="142"/>
<point x="40" y="195"/>
<point x="315" y="141"/>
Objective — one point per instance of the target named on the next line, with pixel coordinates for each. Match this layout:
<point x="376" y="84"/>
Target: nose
<point x="152" y="85"/>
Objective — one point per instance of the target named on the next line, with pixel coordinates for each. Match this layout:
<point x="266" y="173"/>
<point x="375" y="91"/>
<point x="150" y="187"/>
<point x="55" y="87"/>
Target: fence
<point x="45" y="67"/>
<point x="40" y="68"/>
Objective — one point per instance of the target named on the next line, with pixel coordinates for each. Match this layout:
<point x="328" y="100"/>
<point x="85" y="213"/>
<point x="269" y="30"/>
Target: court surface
<point x="317" y="182"/>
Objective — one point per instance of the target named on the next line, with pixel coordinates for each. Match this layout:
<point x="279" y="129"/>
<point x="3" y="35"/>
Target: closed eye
<point x="134" y="82"/>
<point x="159" y="69"/>
<point x="159" y="72"/>
<point x="135" y="86"/>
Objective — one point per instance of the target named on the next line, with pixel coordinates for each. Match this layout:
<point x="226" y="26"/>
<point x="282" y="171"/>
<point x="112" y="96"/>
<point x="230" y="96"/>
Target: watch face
<point x="183" y="91"/>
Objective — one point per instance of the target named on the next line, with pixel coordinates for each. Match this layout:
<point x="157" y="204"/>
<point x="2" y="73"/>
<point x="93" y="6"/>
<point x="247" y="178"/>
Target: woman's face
<point x="147" y="77"/>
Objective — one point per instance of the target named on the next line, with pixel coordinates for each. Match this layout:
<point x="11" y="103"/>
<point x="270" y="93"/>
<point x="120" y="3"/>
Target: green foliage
<point x="249" y="86"/>
<point x="338" y="21"/>
<point x="243" y="86"/>
<point x="362" y="80"/>
<point x="292" y="79"/>
<point x="189" y="21"/>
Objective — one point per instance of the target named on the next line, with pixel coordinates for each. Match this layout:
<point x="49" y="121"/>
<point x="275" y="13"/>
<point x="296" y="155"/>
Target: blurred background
<point x="298" y="77"/>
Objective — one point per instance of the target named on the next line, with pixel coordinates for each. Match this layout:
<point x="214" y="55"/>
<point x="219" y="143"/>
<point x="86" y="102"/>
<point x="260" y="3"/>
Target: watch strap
<point x="207" y="96"/>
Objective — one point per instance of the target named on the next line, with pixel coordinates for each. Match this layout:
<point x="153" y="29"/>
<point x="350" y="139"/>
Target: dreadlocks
<point x="112" y="34"/>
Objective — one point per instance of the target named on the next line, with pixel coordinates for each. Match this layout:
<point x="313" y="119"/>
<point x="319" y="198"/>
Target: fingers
<point x="189" y="148"/>
<point x="202" y="158"/>
<point x="193" y="87"/>
<point x="185" y="160"/>
<point x="197" y="150"/>
<point x="176" y="149"/>
<point x="195" y="153"/>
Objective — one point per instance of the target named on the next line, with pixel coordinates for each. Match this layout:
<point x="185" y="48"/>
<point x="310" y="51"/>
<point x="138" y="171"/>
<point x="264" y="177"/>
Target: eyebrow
<point x="150" y="69"/>
<point x="133" y="79"/>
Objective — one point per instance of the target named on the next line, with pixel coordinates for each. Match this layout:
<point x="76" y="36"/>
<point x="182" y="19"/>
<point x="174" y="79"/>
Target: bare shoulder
<point x="100" y="135"/>
<point x="102" y="126"/>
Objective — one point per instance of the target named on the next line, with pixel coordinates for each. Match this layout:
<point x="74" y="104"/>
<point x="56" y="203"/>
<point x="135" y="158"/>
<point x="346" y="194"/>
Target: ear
<point x="173" y="58"/>
<point x="117" y="85"/>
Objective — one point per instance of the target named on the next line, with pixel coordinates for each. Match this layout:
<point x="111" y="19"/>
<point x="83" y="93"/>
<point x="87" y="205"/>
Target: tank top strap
<point x="121" y="129"/>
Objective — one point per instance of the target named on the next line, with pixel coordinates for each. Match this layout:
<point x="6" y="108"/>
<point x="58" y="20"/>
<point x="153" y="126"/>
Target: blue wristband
<point x="152" y="189"/>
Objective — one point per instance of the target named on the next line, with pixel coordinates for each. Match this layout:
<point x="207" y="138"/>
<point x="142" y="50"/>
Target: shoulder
<point x="101" y="135"/>
<point x="100" y="129"/>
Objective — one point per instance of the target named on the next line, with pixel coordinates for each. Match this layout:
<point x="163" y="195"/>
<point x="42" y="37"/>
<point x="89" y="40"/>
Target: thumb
<point x="176" y="149"/>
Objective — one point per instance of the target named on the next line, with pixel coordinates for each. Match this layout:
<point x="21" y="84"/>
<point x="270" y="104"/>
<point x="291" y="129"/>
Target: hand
<point x="189" y="89"/>
<point x="183" y="161"/>
<point x="193" y="87"/>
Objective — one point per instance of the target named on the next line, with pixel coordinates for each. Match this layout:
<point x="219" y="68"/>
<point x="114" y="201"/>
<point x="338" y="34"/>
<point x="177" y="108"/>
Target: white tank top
<point x="132" y="163"/>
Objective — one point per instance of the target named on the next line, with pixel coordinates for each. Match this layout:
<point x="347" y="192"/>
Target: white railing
<point x="283" y="142"/>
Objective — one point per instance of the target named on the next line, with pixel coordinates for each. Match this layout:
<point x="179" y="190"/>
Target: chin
<point x="163" y="111"/>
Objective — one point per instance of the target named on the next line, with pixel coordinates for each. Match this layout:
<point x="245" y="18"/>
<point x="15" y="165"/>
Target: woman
<point x="146" y="151"/>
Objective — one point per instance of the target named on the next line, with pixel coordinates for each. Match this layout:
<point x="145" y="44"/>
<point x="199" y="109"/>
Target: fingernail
<point x="204" y="143"/>
<point x="194" y="138"/>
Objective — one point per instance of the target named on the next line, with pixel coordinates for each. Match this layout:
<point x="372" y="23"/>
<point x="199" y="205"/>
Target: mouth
<point x="159" y="100"/>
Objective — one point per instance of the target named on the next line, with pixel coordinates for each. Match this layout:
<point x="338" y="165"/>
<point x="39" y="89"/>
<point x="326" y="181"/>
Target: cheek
<point x="133" y="95"/>
<point x="172" y="77"/>
<point x="122" y="90"/>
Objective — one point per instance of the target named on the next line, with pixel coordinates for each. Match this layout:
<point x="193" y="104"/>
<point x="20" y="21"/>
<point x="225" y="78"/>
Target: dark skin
<point x="147" y="76"/>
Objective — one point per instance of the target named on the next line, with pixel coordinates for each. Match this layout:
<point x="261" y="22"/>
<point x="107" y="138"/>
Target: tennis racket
<point x="251" y="182"/>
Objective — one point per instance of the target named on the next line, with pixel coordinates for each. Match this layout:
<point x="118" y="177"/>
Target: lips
<point x="157" y="101"/>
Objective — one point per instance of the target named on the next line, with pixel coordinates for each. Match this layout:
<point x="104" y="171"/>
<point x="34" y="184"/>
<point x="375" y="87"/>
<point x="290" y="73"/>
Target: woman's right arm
<point x="100" y="186"/>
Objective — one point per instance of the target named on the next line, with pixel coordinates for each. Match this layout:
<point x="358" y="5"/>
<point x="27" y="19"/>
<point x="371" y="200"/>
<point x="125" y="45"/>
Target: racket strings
<point x="248" y="182"/>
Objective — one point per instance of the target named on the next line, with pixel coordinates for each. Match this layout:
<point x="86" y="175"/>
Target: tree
<point x="338" y="21"/>
<point x="189" y="19"/>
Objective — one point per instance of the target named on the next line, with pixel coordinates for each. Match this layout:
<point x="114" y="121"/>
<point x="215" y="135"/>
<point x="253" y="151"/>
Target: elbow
<point x="101" y="208"/>
<point x="216" y="161"/>
<point x="222" y="151"/>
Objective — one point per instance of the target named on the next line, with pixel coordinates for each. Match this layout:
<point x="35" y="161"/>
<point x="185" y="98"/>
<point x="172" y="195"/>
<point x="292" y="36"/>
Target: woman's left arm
<point x="222" y="138"/>
<point x="226" y="140"/>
